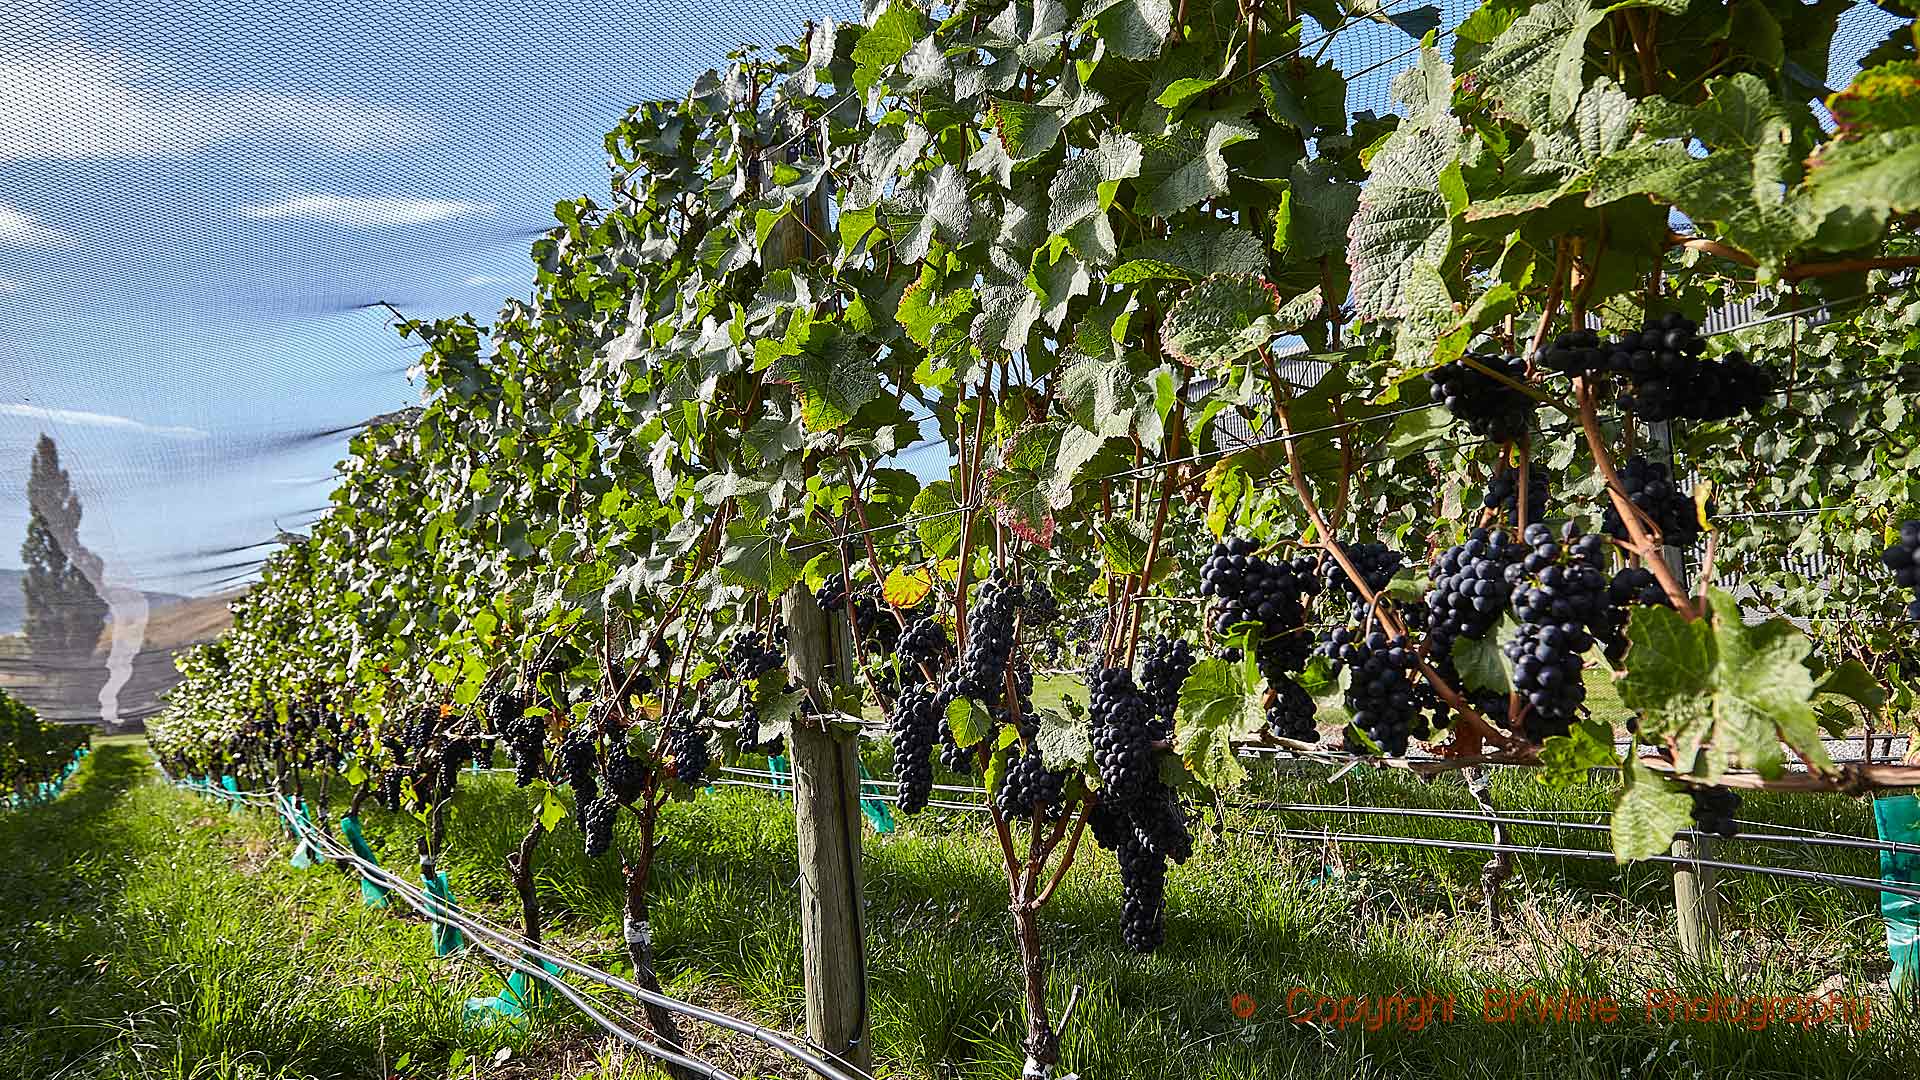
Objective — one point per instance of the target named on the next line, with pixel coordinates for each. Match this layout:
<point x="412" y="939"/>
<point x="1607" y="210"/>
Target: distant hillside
<point x="13" y="602"/>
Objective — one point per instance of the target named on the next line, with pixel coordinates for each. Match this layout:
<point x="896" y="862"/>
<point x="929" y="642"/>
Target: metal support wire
<point x="1822" y="877"/>
<point x="479" y="927"/>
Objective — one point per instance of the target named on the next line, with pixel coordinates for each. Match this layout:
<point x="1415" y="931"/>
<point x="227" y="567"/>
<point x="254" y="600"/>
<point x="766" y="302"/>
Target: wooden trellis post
<point x="826" y="806"/>
<point x="1696" y="901"/>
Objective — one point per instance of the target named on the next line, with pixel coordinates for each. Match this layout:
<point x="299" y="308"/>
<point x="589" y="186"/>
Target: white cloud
<point x="20" y="227"/>
<point x="365" y="209"/>
<point x="486" y="279"/>
<point x="8" y="285"/>
<point x="66" y="101"/>
<point x="101" y="420"/>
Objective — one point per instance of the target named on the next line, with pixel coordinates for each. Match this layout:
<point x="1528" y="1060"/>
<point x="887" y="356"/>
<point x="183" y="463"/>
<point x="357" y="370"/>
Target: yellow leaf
<point x="1700" y="496"/>
<point x="904" y="589"/>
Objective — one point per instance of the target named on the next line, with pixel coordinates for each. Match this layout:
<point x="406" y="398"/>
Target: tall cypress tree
<point x="64" y="612"/>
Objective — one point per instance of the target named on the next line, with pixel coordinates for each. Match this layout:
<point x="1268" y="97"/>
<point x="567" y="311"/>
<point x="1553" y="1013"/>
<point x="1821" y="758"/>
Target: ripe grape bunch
<point x="1903" y="558"/>
<point x="1376" y="562"/>
<point x="1491" y="407"/>
<point x="1650" y="486"/>
<point x="1121" y="727"/>
<point x="1668" y="376"/>
<point x="1379" y="695"/>
<point x="915" y="723"/>
<point x="832" y="594"/>
<point x="1290" y="714"/>
<point x="754" y="653"/>
<point x="1560" y="596"/>
<point x="576" y="758"/>
<point x="687" y="748"/>
<point x="1470" y="587"/>
<point x="1167" y="663"/>
<point x="990" y="633"/>
<point x="1250" y="588"/>
<point x="1503" y="491"/>
<point x="596" y="821"/>
<point x="525" y="736"/>
<point x="1633" y="586"/>
<point x="1714" y="809"/>
<point x="924" y="644"/>
<point x="1040" y="607"/>
<point x="1029" y="787"/>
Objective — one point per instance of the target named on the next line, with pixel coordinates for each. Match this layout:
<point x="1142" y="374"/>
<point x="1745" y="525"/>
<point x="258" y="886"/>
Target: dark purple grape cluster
<point x="874" y="619"/>
<point x="1650" y="486"/>
<point x="953" y="757"/>
<point x="624" y="774"/>
<point x="832" y="594"/>
<point x="991" y="624"/>
<point x="1493" y="408"/>
<point x="1039" y="607"/>
<point x="1503" y="494"/>
<point x="1167" y="662"/>
<point x="1575" y="352"/>
<point x="596" y="821"/>
<point x="754" y="653"/>
<point x="1291" y="712"/>
<point x="1560" y="596"/>
<point x="1714" y="809"/>
<point x="576" y="758"/>
<point x="1376" y="562"/>
<point x="915" y="724"/>
<point x="1029" y="787"/>
<point x="1633" y="586"/>
<point x="525" y="736"/>
<point x="455" y="754"/>
<point x="688" y="749"/>
<point x="1668" y="376"/>
<point x="1251" y="589"/>
<point x="1379" y="693"/>
<point x="1143" y="897"/>
<point x="1903" y="558"/>
<point x="1144" y="832"/>
<point x="924" y="644"/>
<point x="1470" y="587"/>
<point x="1122" y="730"/>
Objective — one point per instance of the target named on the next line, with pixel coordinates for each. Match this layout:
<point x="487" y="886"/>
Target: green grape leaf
<point x="1217" y="706"/>
<point x="1063" y="741"/>
<point x="1566" y="759"/>
<point x="1650" y="810"/>
<point x="1220" y="320"/>
<point x="968" y="721"/>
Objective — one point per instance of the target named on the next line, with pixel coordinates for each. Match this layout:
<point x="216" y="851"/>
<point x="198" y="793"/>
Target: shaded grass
<point x="149" y="934"/>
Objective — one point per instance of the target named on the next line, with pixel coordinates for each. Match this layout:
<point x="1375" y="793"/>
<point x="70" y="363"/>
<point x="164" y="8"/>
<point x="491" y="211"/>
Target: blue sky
<point x="197" y="203"/>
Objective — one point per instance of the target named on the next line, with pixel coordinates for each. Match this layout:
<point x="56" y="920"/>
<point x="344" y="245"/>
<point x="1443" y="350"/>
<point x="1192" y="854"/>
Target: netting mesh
<point x="203" y="207"/>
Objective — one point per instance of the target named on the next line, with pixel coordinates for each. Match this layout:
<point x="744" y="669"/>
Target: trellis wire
<point x="481" y="927"/>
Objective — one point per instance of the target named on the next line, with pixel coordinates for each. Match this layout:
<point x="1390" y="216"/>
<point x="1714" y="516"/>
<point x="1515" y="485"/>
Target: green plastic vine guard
<point x="875" y="810"/>
<point x="233" y="787"/>
<point x="1898" y="819"/>
<point x="511" y="1004"/>
<point x="372" y="894"/>
<point x="447" y="938"/>
<point x="305" y="855"/>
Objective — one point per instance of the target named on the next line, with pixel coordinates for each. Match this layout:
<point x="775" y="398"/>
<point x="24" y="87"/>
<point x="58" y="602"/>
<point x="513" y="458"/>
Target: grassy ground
<point x="139" y="943"/>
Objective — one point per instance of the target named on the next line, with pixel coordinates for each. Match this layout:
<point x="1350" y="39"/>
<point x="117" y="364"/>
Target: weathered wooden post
<point x="1696" y="901"/>
<point x="826" y="806"/>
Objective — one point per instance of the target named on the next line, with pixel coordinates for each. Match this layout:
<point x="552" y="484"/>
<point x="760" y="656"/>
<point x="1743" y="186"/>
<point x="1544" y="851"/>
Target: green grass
<point x="212" y="954"/>
<point x="147" y="933"/>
